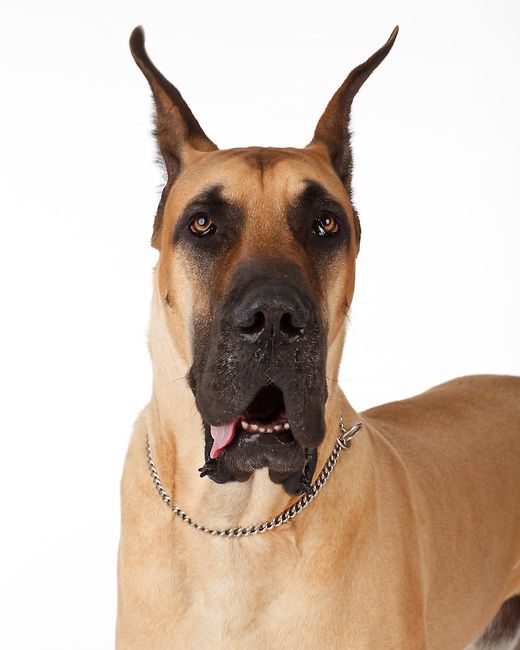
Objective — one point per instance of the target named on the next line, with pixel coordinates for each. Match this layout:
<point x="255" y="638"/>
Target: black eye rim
<point x="319" y="230"/>
<point x="210" y="230"/>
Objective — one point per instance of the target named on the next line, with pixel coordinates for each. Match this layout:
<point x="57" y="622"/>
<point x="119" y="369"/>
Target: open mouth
<point x="265" y="415"/>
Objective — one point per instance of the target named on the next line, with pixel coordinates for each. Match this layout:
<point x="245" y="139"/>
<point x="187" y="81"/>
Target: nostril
<point x="288" y="327"/>
<point x="253" y="325"/>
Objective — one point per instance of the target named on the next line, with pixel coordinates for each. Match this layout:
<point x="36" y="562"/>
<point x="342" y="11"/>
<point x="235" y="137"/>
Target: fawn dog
<point x="415" y="540"/>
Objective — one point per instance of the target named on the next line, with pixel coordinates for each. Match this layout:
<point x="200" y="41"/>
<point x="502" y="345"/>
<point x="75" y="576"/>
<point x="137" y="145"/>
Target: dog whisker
<point x="172" y="381"/>
<point x="332" y="381"/>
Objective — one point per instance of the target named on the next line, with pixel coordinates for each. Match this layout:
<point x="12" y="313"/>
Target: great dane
<point x="259" y="509"/>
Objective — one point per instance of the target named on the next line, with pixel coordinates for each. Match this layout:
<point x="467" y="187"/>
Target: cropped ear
<point x="177" y="131"/>
<point x="333" y="127"/>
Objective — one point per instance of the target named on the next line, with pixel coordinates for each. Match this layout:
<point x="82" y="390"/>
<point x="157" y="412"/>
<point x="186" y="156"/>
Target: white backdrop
<point x="437" y="165"/>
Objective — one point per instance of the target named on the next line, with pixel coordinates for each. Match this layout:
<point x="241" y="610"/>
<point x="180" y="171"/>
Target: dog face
<point x="256" y="272"/>
<point x="266" y="241"/>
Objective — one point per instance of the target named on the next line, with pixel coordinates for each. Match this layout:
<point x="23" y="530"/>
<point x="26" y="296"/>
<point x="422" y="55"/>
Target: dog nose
<point x="269" y="311"/>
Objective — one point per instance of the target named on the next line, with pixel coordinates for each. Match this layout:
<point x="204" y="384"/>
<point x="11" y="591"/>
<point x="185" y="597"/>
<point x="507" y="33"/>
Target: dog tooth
<point x="262" y="429"/>
<point x="277" y="427"/>
<point x="253" y="427"/>
<point x="245" y="425"/>
<point x="287" y="425"/>
<point x="269" y="430"/>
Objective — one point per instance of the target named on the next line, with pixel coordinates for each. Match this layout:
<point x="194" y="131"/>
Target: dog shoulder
<point x="459" y="398"/>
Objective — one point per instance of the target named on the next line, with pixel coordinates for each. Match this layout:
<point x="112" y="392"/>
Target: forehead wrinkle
<point x="237" y="169"/>
<point x="267" y="209"/>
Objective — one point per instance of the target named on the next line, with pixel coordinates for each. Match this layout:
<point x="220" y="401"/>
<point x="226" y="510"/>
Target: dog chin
<point x="288" y="462"/>
<point x="280" y="452"/>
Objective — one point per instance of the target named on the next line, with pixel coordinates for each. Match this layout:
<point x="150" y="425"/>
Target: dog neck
<point x="177" y="441"/>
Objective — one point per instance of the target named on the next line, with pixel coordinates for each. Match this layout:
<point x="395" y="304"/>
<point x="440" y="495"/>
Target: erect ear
<point x="332" y="130"/>
<point x="178" y="132"/>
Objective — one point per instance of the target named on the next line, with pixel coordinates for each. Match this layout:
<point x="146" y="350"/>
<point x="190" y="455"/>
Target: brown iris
<point x="202" y="225"/>
<point x="325" y="225"/>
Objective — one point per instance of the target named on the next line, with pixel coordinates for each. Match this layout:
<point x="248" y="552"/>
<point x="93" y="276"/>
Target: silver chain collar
<point x="343" y="441"/>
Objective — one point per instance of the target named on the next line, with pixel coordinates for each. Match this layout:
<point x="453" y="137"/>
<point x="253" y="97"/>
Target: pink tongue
<point x="222" y="436"/>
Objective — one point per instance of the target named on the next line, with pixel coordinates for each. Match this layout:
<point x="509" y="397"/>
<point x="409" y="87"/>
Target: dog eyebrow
<point x="315" y="194"/>
<point x="210" y="199"/>
<point x="209" y="196"/>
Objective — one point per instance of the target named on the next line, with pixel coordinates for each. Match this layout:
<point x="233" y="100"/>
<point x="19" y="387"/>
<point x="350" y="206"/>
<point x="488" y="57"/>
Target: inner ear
<point x="177" y="131"/>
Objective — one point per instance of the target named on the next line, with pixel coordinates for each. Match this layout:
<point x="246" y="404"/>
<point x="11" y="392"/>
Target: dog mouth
<point x="261" y="436"/>
<point x="264" y="416"/>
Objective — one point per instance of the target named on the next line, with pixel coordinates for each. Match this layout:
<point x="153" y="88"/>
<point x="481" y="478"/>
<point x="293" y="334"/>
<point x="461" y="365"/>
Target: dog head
<point x="256" y="274"/>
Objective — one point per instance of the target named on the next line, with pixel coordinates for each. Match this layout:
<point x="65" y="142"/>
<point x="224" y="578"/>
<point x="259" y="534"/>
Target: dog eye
<point x="325" y="225"/>
<point x="202" y="225"/>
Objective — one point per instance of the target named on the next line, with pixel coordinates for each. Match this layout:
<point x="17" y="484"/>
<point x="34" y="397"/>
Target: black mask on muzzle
<point x="259" y="377"/>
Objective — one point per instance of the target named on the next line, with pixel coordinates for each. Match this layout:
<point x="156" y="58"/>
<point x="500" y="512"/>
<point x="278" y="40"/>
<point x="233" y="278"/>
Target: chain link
<point x="342" y="442"/>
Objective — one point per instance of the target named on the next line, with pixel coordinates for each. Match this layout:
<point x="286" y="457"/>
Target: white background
<point x="436" y="178"/>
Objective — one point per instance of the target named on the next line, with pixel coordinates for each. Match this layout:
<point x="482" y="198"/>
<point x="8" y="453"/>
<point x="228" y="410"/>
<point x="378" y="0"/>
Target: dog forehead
<point x="256" y="176"/>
